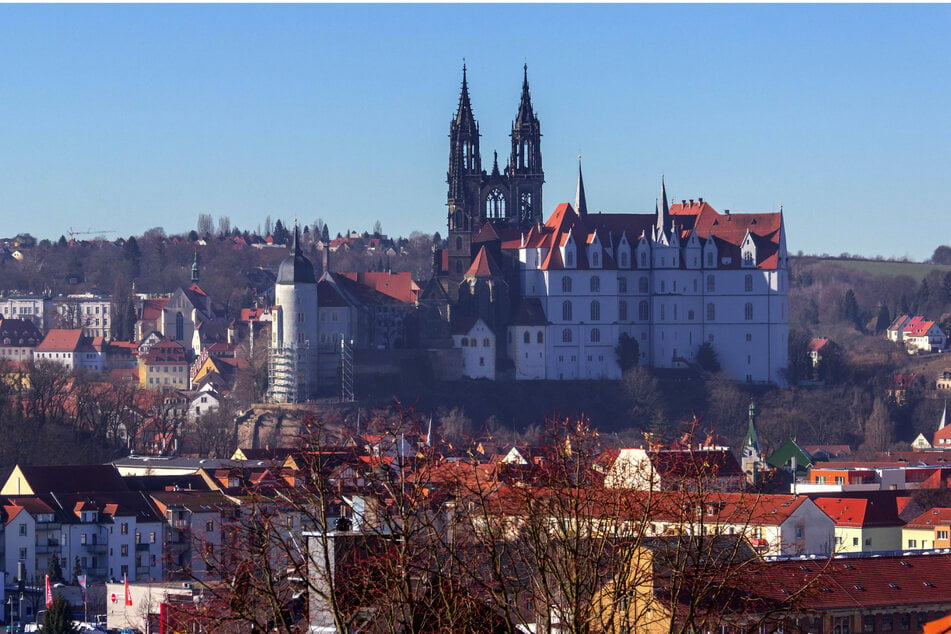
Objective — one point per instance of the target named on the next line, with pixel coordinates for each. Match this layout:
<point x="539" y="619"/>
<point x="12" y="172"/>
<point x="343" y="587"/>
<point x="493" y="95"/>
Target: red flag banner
<point x="128" y="595"/>
<point x="49" y="593"/>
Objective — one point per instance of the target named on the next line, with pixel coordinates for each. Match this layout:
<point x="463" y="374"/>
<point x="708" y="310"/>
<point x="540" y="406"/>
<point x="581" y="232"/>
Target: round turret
<point x="296" y="269"/>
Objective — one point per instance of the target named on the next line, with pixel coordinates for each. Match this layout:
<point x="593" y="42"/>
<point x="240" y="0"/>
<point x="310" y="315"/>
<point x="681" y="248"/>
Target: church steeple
<point x="526" y="117"/>
<point x="581" y="204"/>
<point x="464" y="118"/>
<point x="663" y="211"/>
<point x="525" y="163"/>
<point x="195" y="271"/>
<point x="464" y="157"/>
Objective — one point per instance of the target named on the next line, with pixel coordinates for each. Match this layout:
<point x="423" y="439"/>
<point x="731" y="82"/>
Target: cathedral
<point x="535" y="299"/>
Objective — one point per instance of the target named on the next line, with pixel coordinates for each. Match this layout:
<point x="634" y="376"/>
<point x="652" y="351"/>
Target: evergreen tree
<point x="55" y="571"/>
<point x="58" y="619"/>
<point x="61" y="242"/>
<point x="77" y="570"/>
<point x="850" y="310"/>
<point x="628" y="351"/>
<point x="707" y="357"/>
<point x="325" y="234"/>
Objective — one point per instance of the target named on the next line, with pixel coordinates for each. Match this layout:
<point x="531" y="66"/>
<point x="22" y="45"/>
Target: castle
<point x="576" y="296"/>
<point x="553" y="299"/>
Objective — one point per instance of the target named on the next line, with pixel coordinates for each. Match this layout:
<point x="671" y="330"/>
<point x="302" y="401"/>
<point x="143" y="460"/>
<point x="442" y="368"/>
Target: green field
<point x="916" y="270"/>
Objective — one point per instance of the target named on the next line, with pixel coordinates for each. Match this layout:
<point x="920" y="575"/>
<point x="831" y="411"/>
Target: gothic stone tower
<point x="508" y="198"/>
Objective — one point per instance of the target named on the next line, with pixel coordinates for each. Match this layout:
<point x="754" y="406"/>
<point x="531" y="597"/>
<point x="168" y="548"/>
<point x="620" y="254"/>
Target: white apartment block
<point x="26" y="306"/>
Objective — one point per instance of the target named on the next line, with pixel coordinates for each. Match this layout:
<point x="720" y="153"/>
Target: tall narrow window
<point x="596" y="260"/>
<point x="566" y="335"/>
<point x="458" y="243"/>
<point x="495" y="204"/>
<point x="643" y="311"/>
<point x="595" y="284"/>
<point x="527" y="337"/>
<point x="622" y="285"/>
<point x="711" y="284"/>
<point x="748" y="311"/>
<point x="595" y="310"/>
<point x="711" y="312"/>
<point x="566" y="284"/>
<point x="622" y="310"/>
<point x="642" y="285"/>
<point x="566" y="311"/>
<point x="748" y="283"/>
<point x="595" y="335"/>
<point x="179" y="327"/>
<point x="643" y="260"/>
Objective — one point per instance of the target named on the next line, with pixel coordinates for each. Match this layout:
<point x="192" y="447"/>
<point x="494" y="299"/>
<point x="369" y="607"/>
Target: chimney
<point x="700" y="199"/>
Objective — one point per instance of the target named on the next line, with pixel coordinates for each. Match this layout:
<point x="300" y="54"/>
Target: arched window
<point x="643" y="310"/>
<point x="474" y="342"/>
<point x="525" y="204"/>
<point x="595" y="284"/>
<point x="495" y="204"/>
<point x="179" y="327"/>
<point x="748" y="283"/>
<point x="485" y="342"/>
<point x="711" y="312"/>
<point x="710" y="259"/>
<point x="566" y="311"/>
<point x="566" y="284"/>
<point x="540" y="338"/>
<point x="622" y="284"/>
<point x="595" y="259"/>
<point x="748" y="258"/>
<point x="690" y="315"/>
<point x="595" y="335"/>
<point x="566" y="335"/>
<point x="643" y="260"/>
<point x="623" y="258"/>
<point x="748" y="311"/>
<point x="527" y="338"/>
<point x="458" y="243"/>
<point x="711" y="284"/>
<point x="569" y="258"/>
<point x="622" y="310"/>
<point x="595" y="310"/>
<point x="642" y="285"/>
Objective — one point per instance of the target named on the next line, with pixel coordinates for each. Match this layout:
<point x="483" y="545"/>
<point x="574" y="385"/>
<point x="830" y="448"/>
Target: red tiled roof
<point x="152" y="308"/>
<point x="399" y="286"/>
<point x="483" y="265"/>
<point x="938" y="516"/>
<point x="817" y="344"/>
<point x="859" y="512"/>
<point x="60" y="340"/>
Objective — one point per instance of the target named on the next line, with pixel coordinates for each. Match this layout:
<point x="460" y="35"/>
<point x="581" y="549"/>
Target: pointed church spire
<point x="464" y="118"/>
<point x="495" y="163"/>
<point x="663" y="212"/>
<point x="525" y="114"/>
<point x="295" y="249"/>
<point x="581" y="204"/>
<point x="751" y="447"/>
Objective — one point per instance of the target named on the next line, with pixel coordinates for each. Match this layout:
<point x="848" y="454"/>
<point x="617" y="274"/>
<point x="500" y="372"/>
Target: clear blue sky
<point x="129" y="117"/>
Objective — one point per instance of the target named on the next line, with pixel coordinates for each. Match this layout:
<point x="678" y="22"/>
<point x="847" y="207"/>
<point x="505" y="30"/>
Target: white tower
<point x="293" y="357"/>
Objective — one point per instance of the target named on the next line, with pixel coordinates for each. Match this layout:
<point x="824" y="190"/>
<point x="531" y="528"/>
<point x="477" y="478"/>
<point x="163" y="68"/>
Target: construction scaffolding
<point x="289" y="374"/>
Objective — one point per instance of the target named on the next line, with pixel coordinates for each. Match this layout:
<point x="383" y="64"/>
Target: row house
<point x="715" y="468"/>
<point x="864" y="524"/>
<point x="930" y="530"/>
<point x="845" y="477"/>
<point x="85" y="516"/>
<point x="197" y="525"/>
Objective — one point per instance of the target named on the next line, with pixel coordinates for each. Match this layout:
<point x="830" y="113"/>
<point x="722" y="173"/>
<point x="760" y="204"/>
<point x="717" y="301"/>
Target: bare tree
<point x="206" y="225"/>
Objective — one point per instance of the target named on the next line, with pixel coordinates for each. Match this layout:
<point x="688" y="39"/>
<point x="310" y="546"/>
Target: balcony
<point x="98" y="549"/>
<point x="181" y="525"/>
<point x="142" y="547"/>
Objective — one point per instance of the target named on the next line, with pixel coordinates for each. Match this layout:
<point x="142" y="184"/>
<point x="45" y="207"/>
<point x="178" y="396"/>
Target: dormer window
<point x="596" y="259"/>
<point x="570" y="259"/>
<point x="623" y="257"/>
<point x="748" y="258"/>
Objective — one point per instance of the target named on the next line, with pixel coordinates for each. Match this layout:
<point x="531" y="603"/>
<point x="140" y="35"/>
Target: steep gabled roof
<point x="484" y="265"/>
